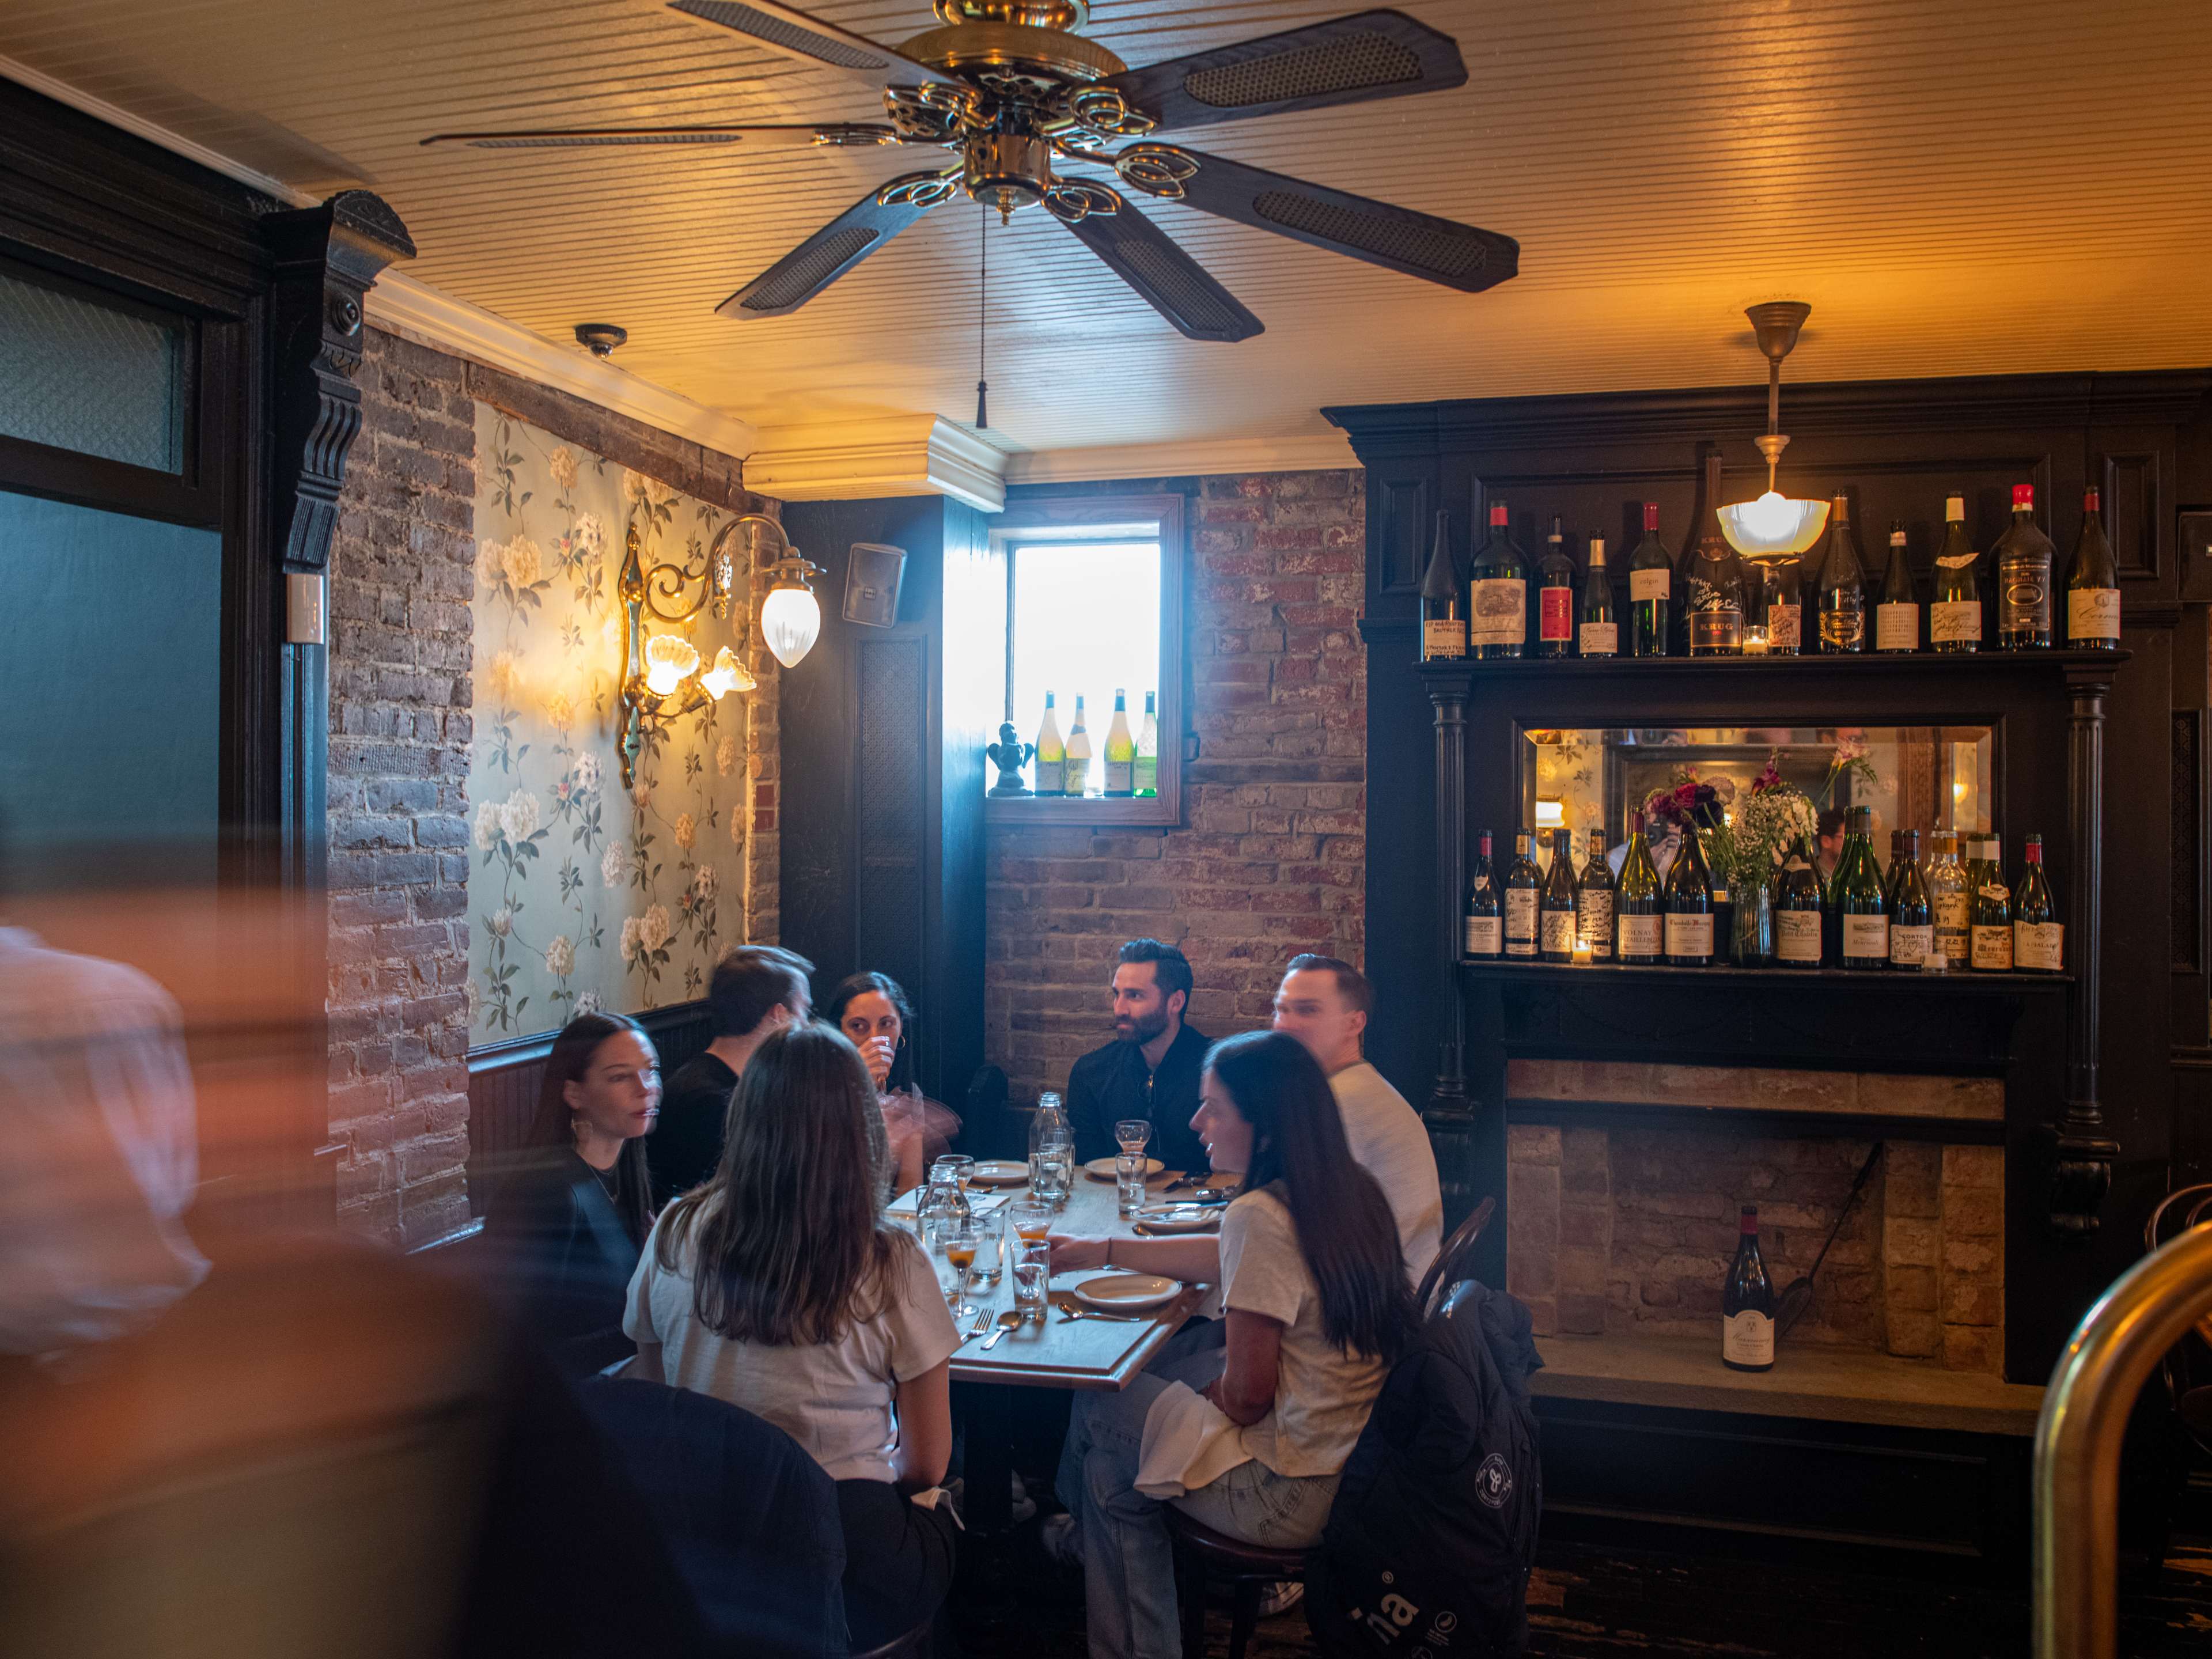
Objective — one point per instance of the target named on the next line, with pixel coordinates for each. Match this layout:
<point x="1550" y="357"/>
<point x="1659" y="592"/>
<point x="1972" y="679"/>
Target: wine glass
<point x="958" y="1244"/>
<point x="1131" y="1134"/>
<point x="953" y="1166"/>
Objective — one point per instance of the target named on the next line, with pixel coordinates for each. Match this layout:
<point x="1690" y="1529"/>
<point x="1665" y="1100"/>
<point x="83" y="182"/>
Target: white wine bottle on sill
<point x="1146" y="771"/>
<point x="1121" y="749"/>
<point x="1051" y="754"/>
<point x="1079" y="753"/>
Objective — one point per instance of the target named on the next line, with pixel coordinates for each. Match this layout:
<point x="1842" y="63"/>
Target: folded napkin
<point x="1189" y="1442"/>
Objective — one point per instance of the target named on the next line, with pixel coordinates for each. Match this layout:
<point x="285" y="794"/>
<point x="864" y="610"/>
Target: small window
<point x="1094" y="608"/>
<point x="92" y="375"/>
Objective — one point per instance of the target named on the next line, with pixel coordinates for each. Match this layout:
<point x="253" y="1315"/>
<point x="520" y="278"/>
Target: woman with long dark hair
<point x="876" y="1017"/>
<point x="779" y="1287"/>
<point x="573" y="1211"/>
<point x="1314" y="1298"/>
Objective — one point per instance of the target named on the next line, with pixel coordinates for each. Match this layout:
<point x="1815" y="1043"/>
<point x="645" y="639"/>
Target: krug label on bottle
<point x="1950" y="620"/>
<point x="1484" y="938"/>
<point x="1747" y="1338"/>
<point x="1640" y="936"/>
<point x="2038" y="946"/>
<point x="1797" y="935"/>
<point x="2093" y="613"/>
<point x="1719" y="630"/>
<point x="1501" y="613"/>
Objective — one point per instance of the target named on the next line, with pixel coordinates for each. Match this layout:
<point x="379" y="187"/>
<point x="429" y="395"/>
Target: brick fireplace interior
<point x="1623" y="1184"/>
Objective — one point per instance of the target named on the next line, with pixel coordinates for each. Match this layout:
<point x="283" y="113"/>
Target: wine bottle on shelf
<point x="1051" y="754"/>
<point x="1954" y="616"/>
<point x="1689" y="906"/>
<point x="2039" y="938"/>
<point x="1485" y="931"/>
<point x="1120" y="749"/>
<point x="1989" y="941"/>
<point x="1148" y="749"/>
<point x="2093" y="585"/>
<point x="1599" y="634"/>
<point x="1747" y="1303"/>
<point x="1555" y="598"/>
<point x="1842" y="602"/>
<point x="1079" y="753"/>
<point x="1712" y="576"/>
<point x="1555" y="910"/>
<point x="1895" y="868"/>
<point x="1443" y="606"/>
<point x="2024" y="557"/>
<point x="1524" y="886"/>
<point x="1797" y="909"/>
<point x="1638" y="908"/>
<point x="1897" y="617"/>
<point x="1498" y="611"/>
<point x="1650" y="589"/>
<point x="1912" y="918"/>
<point x="1784" y="582"/>
<point x="1860" y="907"/>
<point x="1950" y="908"/>
<point x="1594" y="902"/>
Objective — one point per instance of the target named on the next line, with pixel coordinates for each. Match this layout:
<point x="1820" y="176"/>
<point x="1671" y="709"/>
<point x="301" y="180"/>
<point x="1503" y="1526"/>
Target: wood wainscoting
<point x="504" y="1078"/>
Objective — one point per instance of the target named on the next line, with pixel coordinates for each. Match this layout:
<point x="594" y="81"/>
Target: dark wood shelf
<point x="1870" y="663"/>
<point x="1730" y="973"/>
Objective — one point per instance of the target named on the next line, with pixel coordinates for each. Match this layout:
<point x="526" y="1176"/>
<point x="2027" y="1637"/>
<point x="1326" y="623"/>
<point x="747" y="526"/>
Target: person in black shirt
<point x="1151" y="1069"/>
<point x="756" y="991"/>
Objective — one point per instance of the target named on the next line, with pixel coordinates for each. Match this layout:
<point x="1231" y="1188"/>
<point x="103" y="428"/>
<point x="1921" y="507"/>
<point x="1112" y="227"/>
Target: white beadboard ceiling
<point x="1959" y="187"/>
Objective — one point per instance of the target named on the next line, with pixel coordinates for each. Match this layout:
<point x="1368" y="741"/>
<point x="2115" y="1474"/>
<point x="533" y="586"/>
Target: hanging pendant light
<point x="1775" y="527"/>
<point x="791" y="616"/>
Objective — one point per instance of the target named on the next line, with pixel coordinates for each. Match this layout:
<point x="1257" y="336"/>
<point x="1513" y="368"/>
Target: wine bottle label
<point x="1954" y="560"/>
<point x="1991" y="949"/>
<point x="1147" y="776"/>
<point x="1520" y="922"/>
<point x="1866" y="938"/>
<point x="2023" y="596"/>
<point x="1997" y="891"/>
<point x="1485" y="936"/>
<point x="1909" y="945"/>
<point x="1556" y="614"/>
<point x="1079" y="774"/>
<point x="1052" y="777"/>
<point x="1501" y="613"/>
<point x="1842" y="630"/>
<point x="1593" y="922"/>
<point x="1954" y="926"/>
<point x="2093" y="613"/>
<point x="2038" y="946"/>
<point x="1793" y="862"/>
<point x="1601" y="639"/>
<point x="1689" y="936"/>
<point x="1649" y="584"/>
<point x="1897" y="628"/>
<point x="1640" y="936"/>
<point x="1718" y="630"/>
<point x="1559" y="939"/>
<point x="1797" y="935"/>
<point x="1951" y="620"/>
<point x="1444" y="638"/>
<point x="1785" y="628"/>
<point x="1747" y="1338"/>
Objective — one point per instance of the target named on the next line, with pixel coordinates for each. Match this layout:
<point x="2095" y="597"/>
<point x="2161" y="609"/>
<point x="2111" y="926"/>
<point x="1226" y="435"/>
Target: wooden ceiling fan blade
<point x="782" y="137"/>
<point x="1347" y="60"/>
<point x="1168" y="279"/>
<point x="830" y="252"/>
<point x="811" y="40"/>
<point x="1463" y="256"/>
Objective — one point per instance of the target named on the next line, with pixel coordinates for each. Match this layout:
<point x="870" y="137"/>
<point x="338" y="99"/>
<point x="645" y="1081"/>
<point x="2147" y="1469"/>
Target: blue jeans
<point x="1128" y="1565"/>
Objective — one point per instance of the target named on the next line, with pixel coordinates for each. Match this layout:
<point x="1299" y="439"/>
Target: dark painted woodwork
<point x="882" y="733"/>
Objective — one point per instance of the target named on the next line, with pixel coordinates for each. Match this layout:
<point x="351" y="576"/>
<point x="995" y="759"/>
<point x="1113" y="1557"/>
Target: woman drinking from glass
<point x="873" y="1012"/>
<point x="779" y="1287"/>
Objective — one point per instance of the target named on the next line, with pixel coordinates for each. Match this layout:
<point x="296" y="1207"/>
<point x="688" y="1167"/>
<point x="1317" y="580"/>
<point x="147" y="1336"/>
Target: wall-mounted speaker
<point x="873" y="572"/>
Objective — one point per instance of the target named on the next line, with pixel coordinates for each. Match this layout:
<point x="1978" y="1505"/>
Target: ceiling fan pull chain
<point x="982" y="287"/>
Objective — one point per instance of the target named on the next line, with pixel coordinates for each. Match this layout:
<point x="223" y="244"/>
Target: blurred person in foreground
<point x="571" y="1211"/>
<point x="876" y="1017"/>
<point x="755" y="991"/>
<point x="780" y="1287"/>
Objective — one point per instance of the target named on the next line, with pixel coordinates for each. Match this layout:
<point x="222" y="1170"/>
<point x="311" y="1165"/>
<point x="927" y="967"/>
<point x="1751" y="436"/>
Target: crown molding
<point x="1305" y="452"/>
<point x="884" y="455"/>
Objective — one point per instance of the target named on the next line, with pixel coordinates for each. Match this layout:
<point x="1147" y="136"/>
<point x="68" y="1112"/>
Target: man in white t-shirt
<point x="1324" y="1003"/>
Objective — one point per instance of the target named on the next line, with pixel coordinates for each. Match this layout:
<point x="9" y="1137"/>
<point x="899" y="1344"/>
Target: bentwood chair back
<point x="1452" y="1261"/>
<point x="2187" y="1368"/>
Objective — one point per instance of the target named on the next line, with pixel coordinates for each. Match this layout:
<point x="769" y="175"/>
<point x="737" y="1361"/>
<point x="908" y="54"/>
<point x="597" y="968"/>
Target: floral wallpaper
<point x="584" y="895"/>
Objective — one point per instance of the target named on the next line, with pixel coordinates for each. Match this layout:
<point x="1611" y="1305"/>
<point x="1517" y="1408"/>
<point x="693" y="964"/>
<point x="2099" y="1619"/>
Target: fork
<point x="983" y="1324"/>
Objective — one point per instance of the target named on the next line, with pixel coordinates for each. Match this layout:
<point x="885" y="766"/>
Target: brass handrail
<point x="2115" y="1349"/>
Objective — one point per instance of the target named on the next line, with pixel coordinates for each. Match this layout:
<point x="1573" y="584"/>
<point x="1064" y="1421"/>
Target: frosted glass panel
<point x="87" y="377"/>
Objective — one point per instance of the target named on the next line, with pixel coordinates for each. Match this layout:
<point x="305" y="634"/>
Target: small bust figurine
<point x="1010" y="754"/>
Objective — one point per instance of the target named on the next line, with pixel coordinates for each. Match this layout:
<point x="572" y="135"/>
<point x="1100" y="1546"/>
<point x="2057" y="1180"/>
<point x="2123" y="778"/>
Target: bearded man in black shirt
<point x="755" y="991"/>
<point x="1151" y="1069"/>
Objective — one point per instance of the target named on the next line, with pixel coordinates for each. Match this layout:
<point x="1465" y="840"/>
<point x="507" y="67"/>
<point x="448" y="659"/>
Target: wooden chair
<point x="2187" y="1367"/>
<point x="1451" y="1262"/>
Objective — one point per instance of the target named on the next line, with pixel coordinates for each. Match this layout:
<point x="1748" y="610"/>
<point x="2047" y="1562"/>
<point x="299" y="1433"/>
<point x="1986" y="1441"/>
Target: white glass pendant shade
<point x="790" y="622"/>
<point x="1774" y="527"/>
<point x="668" y="658"/>
<point x="727" y="675"/>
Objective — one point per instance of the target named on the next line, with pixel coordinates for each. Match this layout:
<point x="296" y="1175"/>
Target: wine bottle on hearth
<point x="1497" y="608"/>
<point x="1912" y="918"/>
<point x="1639" y="909"/>
<point x="2039" y="938"/>
<point x="2093" y="585"/>
<point x="1524" y="887"/>
<point x="1954" y="615"/>
<point x="1486" y="926"/>
<point x="1599" y="633"/>
<point x="1897" y="617"/>
<point x="1747" y="1303"/>
<point x="1948" y="908"/>
<point x="1443" y="609"/>
<point x="1594" y="902"/>
<point x="1650" y="589"/>
<point x="1555" y="910"/>
<point x="1555" y="598"/>
<point x="1988" y="944"/>
<point x="1051" y="754"/>
<point x="1797" y="909"/>
<point x="1862" y="913"/>
<point x="1689" y="906"/>
<point x="1842" y="602"/>
<point x="2024" y="558"/>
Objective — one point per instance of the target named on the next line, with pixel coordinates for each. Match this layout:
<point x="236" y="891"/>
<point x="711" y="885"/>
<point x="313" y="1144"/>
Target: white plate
<point x="999" y="1172"/>
<point x="1126" y="1292"/>
<point x="1181" y="1218"/>
<point x="1103" y="1168"/>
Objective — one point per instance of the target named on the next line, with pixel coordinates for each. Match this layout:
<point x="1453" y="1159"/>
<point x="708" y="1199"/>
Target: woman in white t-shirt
<point x="1314" y="1298"/>
<point x="779" y="1286"/>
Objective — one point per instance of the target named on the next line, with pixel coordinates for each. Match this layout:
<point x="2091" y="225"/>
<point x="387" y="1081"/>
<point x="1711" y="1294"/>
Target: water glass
<point x="1029" y="1284"/>
<point x="1132" y="1134"/>
<point x="990" y="1259"/>
<point x="1129" y="1180"/>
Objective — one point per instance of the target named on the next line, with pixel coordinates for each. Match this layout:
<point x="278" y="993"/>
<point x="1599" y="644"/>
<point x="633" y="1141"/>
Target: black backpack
<point x="1429" y="1543"/>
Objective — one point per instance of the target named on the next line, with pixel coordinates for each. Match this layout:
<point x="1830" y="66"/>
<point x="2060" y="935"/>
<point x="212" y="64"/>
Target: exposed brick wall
<point x="1271" y="858"/>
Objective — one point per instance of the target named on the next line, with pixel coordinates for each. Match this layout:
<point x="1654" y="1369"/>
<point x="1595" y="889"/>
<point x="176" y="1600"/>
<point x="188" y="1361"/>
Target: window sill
<point x="1156" y="811"/>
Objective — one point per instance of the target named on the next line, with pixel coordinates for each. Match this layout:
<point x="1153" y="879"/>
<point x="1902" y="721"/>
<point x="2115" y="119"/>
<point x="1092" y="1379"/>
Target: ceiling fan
<point x="1011" y="90"/>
